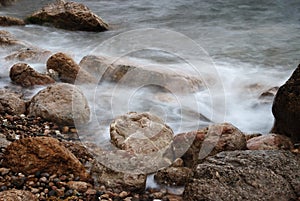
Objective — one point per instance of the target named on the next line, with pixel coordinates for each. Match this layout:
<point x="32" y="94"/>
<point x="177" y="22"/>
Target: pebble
<point x="4" y="171"/>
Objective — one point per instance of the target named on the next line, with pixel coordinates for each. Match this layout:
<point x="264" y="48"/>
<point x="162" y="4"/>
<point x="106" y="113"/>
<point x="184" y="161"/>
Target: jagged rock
<point x="43" y="154"/>
<point x="246" y="176"/>
<point x="11" y="103"/>
<point x="61" y="103"/>
<point x="286" y="108"/>
<point x="68" y="15"/>
<point x="17" y="195"/>
<point x="29" y="54"/>
<point x="175" y="176"/>
<point x="22" y="74"/>
<point x="130" y="73"/>
<point x="270" y="142"/>
<point x="140" y="133"/>
<point x="193" y="146"/>
<point x="10" y="21"/>
<point x="67" y="70"/>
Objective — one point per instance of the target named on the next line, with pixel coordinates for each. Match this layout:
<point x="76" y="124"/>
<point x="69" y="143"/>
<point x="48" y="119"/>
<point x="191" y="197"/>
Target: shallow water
<point x="253" y="45"/>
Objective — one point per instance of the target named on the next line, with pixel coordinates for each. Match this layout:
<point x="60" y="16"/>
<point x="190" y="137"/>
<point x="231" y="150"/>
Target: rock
<point x="129" y="74"/>
<point x="10" y="21"/>
<point x="67" y="70"/>
<point x="7" y="39"/>
<point x="216" y="138"/>
<point x="79" y="186"/>
<point x="22" y="74"/>
<point x="29" y="54"/>
<point x="268" y="95"/>
<point x="17" y="195"/>
<point x="11" y="103"/>
<point x="140" y="133"/>
<point x="252" y="135"/>
<point x="61" y="103"/>
<point x="173" y="176"/>
<point x="7" y="2"/>
<point x="3" y="141"/>
<point x="246" y="175"/>
<point x="43" y="154"/>
<point x="286" y="108"/>
<point x="68" y="15"/>
<point x="270" y="142"/>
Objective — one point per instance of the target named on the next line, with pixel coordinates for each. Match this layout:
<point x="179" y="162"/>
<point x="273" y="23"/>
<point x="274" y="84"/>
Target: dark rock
<point x="7" y="2"/>
<point x="10" y="21"/>
<point x="246" y="175"/>
<point x="286" y="108"/>
<point x="29" y="54"/>
<point x="270" y="142"/>
<point x="268" y="95"/>
<point x="174" y="176"/>
<point x="17" y="195"/>
<point x="208" y="141"/>
<point x="43" y="154"/>
<point x="22" y="74"/>
<point x="61" y="103"/>
<point x="67" y="70"/>
<point x="11" y="103"/>
<point x="68" y="15"/>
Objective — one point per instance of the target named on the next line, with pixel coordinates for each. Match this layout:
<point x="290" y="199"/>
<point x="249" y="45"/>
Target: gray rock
<point x="11" y="103"/>
<point x="246" y="175"/>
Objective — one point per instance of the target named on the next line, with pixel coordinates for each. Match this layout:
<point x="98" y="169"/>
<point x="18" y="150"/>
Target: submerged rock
<point x="10" y="21"/>
<point x="270" y="142"/>
<point x="67" y="70"/>
<point x="29" y="54"/>
<point x="286" y="108"/>
<point x="7" y="2"/>
<point x="61" y="103"/>
<point x="11" y="103"/>
<point x="246" y="175"/>
<point x="7" y="39"/>
<point x="68" y="15"/>
<point x="22" y="74"/>
<point x="43" y="154"/>
<point x="208" y="141"/>
<point x="17" y="195"/>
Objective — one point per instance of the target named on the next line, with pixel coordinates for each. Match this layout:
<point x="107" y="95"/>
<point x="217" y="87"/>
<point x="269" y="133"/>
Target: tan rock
<point x="22" y="74"/>
<point x="68" y="15"/>
<point x="79" y="186"/>
<point x="17" y="195"/>
<point x="11" y="103"/>
<point x="10" y="21"/>
<point x="7" y="39"/>
<point x="270" y="142"/>
<point x="29" y="54"/>
<point x="61" y="103"/>
<point x="43" y="154"/>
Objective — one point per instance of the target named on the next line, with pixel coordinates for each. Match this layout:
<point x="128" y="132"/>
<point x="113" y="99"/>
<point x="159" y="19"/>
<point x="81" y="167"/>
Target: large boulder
<point x="61" y="103"/>
<point x="246" y="176"/>
<point x="286" y="108"/>
<point x="43" y="154"/>
<point x="17" y="195"/>
<point x="10" y="21"/>
<point x="130" y="73"/>
<point x="24" y="75"/>
<point x="270" y="142"/>
<point x="68" y="15"/>
<point x="67" y="70"/>
<point x="11" y="103"/>
<point x="140" y="133"/>
<point x="195" y="146"/>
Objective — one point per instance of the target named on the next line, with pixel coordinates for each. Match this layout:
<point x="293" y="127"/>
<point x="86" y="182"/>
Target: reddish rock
<point x="68" y="70"/>
<point x="174" y="176"/>
<point x="43" y="154"/>
<point x="61" y="103"/>
<point x="10" y="21"/>
<point x="29" y="54"/>
<point x="286" y="108"/>
<point x="11" y="103"/>
<point x="22" y="74"/>
<point x="270" y="142"/>
<point x="17" y="195"/>
<point x="208" y="141"/>
<point x="68" y="15"/>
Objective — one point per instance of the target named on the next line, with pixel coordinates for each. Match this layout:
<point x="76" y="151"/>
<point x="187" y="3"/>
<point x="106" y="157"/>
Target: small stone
<point x="43" y="179"/>
<point x="123" y="194"/>
<point x="4" y="171"/>
<point x="35" y="190"/>
<point x="69" y="193"/>
<point x="79" y="186"/>
<point x="52" y="193"/>
<point x="65" y="129"/>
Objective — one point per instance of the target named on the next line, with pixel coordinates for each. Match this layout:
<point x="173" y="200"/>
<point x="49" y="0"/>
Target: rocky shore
<point x="43" y="158"/>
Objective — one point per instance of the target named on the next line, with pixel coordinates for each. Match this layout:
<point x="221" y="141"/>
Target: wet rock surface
<point x="29" y="54"/>
<point x="17" y="195"/>
<point x="7" y="39"/>
<point x="270" y="142"/>
<point x="173" y="176"/>
<point x="246" y="175"/>
<point x="286" y="108"/>
<point x="67" y="70"/>
<point x="11" y="103"/>
<point x="61" y="103"/>
<point x="24" y="75"/>
<point x="10" y="21"/>
<point x="68" y="15"/>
